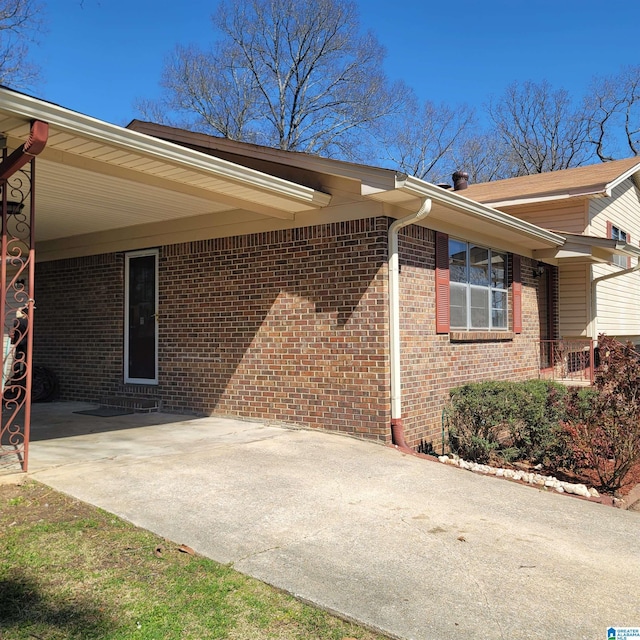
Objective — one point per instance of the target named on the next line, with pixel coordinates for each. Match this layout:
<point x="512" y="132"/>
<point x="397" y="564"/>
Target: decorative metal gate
<point x="17" y="182"/>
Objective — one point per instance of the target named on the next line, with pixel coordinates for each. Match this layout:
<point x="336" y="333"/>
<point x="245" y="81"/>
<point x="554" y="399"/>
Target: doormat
<point x="105" y="412"/>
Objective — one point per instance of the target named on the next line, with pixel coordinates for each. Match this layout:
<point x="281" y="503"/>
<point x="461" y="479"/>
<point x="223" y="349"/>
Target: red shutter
<point x="516" y="291"/>
<point x="609" y="229"/>
<point x="442" y="283"/>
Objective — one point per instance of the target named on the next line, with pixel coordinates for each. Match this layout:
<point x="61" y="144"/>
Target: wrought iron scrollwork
<point x="16" y="313"/>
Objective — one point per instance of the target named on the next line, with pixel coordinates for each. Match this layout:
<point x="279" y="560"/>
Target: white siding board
<point x="619" y="305"/>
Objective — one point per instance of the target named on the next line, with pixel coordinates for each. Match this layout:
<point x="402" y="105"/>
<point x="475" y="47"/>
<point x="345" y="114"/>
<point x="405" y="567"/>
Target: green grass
<point x="70" y="571"/>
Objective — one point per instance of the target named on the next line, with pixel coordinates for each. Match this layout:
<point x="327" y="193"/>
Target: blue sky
<point x="98" y="56"/>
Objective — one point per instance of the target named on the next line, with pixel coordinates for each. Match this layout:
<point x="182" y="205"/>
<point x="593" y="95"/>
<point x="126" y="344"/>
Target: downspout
<point x="594" y="298"/>
<point x="397" y="428"/>
<point x="34" y="145"/>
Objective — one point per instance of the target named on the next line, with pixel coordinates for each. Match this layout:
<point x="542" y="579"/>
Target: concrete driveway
<point x="412" y="548"/>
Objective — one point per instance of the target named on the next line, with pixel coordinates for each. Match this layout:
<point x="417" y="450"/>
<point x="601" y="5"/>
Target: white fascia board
<point x="537" y="199"/>
<point x="423" y="189"/>
<point x="94" y="129"/>
<point x="614" y="246"/>
<point x="621" y="178"/>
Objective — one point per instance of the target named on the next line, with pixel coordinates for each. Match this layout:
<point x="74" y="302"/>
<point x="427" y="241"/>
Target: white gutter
<point x="397" y="431"/>
<point x="455" y="199"/>
<point x="594" y="295"/>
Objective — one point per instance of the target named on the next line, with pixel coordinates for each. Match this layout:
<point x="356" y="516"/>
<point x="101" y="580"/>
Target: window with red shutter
<point x="472" y="287"/>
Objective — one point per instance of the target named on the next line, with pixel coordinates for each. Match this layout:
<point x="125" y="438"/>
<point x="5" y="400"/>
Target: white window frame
<point x="619" y="234"/>
<point x="468" y="287"/>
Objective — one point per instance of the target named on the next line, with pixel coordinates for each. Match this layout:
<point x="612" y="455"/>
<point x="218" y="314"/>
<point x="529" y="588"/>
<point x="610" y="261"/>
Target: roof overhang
<point x="632" y="173"/>
<point x="369" y="179"/>
<point x="94" y="176"/>
<point x="586" y="182"/>
<point x="588" y="250"/>
<point x="453" y="213"/>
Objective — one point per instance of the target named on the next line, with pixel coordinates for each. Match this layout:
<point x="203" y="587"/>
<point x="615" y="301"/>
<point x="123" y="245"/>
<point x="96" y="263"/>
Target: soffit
<point x="588" y="250"/>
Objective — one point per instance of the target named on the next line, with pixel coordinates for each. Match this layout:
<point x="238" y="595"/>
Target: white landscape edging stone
<point x="527" y="477"/>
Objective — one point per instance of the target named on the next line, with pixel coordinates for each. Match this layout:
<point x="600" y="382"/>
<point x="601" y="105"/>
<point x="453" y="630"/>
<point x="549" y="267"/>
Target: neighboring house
<point x="597" y="209"/>
<point x="207" y="276"/>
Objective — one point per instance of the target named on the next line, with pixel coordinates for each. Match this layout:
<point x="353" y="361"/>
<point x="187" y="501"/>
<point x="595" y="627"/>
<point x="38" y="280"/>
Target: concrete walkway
<point x="415" y="549"/>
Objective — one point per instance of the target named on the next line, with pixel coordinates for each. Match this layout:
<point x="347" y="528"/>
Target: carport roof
<point x="93" y="176"/>
<point x="402" y="194"/>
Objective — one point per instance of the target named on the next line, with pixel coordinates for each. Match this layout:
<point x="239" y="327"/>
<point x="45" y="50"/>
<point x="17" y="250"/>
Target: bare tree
<point x="19" y="20"/>
<point x="484" y="157"/>
<point x="206" y="97"/>
<point x="421" y="141"/>
<point x="540" y="128"/>
<point x="613" y="108"/>
<point x="294" y="74"/>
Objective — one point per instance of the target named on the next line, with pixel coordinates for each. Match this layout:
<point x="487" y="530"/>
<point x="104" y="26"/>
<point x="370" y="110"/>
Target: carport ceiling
<point x="73" y="201"/>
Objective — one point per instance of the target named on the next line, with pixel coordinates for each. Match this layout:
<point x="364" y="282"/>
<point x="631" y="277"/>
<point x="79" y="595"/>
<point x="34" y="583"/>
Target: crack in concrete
<point x="435" y="534"/>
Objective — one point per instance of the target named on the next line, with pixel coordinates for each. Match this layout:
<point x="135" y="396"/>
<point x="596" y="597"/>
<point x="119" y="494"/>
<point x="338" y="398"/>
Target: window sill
<point x="481" y="336"/>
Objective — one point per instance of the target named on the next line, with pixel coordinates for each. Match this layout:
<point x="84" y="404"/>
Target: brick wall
<point x="279" y="326"/>
<point x="287" y="326"/>
<point x="433" y="364"/>
<point x="79" y="324"/>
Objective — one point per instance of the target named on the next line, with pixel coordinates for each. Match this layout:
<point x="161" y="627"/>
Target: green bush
<point x="586" y="430"/>
<point x="537" y="424"/>
<point x="507" y="421"/>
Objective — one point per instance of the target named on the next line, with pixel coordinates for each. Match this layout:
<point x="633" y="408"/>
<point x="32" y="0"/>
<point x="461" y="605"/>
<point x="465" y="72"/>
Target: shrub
<point x="537" y="426"/>
<point x="506" y="420"/>
<point x="603" y="425"/>
<point x="477" y="415"/>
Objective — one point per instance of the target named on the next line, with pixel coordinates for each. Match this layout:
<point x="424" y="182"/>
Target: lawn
<point x="71" y="571"/>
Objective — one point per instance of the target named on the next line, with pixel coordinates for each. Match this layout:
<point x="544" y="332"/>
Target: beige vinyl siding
<point x="618" y="299"/>
<point x="618" y="303"/>
<point x="564" y="215"/>
<point x="621" y="209"/>
<point x="573" y="300"/>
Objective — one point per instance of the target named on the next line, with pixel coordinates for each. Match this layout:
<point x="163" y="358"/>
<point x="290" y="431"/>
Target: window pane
<point x="498" y="319"/>
<point x="479" y="308"/>
<point x="499" y="309"/>
<point x="479" y="266"/>
<point x="498" y="270"/>
<point x="457" y="261"/>
<point x="621" y="261"/>
<point x="618" y="234"/>
<point x="458" y="306"/>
